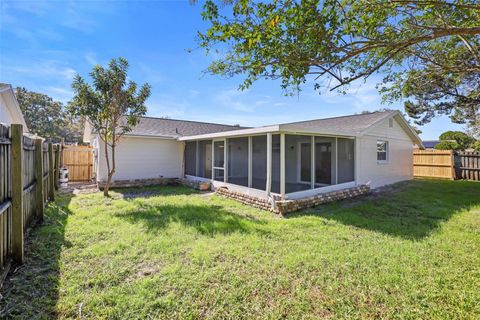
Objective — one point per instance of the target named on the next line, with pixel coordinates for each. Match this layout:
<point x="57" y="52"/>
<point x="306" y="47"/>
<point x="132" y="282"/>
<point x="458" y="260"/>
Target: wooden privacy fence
<point x="433" y="163"/>
<point x="446" y="164"/>
<point x="79" y="161"/>
<point x="28" y="168"/>
<point x="467" y="165"/>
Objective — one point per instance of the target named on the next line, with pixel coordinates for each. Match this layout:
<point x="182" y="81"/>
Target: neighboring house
<point x="9" y="109"/>
<point x="430" y="144"/>
<point x="287" y="161"/>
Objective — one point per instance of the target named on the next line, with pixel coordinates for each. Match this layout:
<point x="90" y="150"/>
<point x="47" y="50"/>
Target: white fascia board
<point x="233" y="133"/>
<point x="149" y="136"/>
<point x="140" y="136"/>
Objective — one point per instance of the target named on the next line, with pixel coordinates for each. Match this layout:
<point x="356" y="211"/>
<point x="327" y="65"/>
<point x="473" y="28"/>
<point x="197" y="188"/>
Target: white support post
<point x="197" y="158"/>
<point x="250" y="164"/>
<point x="213" y="160"/>
<point x="356" y="159"/>
<point x="336" y="160"/>
<point x="225" y="160"/>
<point x="268" y="187"/>
<point x="312" y="163"/>
<point x="282" y="165"/>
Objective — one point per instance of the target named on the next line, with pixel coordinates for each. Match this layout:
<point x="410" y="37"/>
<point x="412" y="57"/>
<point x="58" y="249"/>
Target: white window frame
<point x="387" y="151"/>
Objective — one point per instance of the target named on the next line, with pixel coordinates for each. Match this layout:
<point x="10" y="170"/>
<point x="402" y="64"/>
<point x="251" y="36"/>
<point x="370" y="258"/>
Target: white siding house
<point x="9" y="109"/>
<point x="284" y="161"/>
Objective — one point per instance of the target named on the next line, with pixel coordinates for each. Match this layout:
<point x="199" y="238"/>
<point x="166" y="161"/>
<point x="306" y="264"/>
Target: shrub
<point x="476" y="145"/>
<point x="461" y="138"/>
<point x="448" y="145"/>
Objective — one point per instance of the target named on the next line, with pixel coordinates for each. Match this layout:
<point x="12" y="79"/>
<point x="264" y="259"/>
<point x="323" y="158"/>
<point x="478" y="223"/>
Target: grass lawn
<point x="173" y="253"/>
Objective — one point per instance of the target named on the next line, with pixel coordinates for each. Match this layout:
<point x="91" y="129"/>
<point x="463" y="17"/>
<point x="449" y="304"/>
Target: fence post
<point x="51" y="173"/>
<point x="39" y="205"/>
<point x="57" y="166"/>
<point x="17" y="192"/>
<point x="62" y="144"/>
<point x="452" y="161"/>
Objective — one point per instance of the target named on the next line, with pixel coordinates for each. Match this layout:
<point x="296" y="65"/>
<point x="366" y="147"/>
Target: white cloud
<point x="91" y="58"/>
<point x="61" y="94"/>
<point x="244" y="101"/>
<point x="44" y="69"/>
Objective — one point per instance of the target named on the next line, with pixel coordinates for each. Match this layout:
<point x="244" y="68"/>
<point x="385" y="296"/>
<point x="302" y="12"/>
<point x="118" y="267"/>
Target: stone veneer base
<point x="283" y="207"/>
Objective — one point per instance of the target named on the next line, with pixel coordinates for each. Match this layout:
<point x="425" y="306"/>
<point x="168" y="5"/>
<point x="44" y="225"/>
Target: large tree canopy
<point x="427" y="51"/>
<point x="47" y="117"/>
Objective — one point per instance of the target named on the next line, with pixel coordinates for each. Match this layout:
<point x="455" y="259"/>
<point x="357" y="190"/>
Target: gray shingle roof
<point x="174" y="128"/>
<point x="353" y="124"/>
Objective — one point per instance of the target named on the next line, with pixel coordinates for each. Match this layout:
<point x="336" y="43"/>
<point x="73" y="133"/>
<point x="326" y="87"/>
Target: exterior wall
<point x="143" y="158"/>
<point x="400" y="158"/>
<point x="5" y="114"/>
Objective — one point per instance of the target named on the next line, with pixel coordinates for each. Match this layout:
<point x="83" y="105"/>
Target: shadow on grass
<point x="153" y="191"/>
<point x="205" y="219"/>
<point x="411" y="210"/>
<point x="31" y="290"/>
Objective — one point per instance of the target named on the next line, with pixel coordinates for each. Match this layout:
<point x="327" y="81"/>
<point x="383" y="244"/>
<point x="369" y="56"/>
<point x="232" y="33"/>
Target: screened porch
<point x="287" y="165"/>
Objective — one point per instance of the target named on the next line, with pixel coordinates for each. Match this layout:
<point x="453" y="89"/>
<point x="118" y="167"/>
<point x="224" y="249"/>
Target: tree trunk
<point x="109" y="178"/>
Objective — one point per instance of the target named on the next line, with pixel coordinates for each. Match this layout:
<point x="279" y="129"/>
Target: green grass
<point x="172" y="253"/>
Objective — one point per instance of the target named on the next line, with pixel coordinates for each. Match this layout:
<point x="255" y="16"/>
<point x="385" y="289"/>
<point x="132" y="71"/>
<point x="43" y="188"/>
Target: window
<point x="382" y="151"/>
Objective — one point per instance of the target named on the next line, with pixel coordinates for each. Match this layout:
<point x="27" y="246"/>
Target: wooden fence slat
<point x="39" y="198"/>
<point x="79" y="162"/>
<point x="51" y="171"/>
<point x="17" y="193"/>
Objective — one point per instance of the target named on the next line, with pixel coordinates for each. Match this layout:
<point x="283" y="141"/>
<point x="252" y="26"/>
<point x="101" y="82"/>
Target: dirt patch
<point x="144" y="269"/>
<point x="78" y="188"/>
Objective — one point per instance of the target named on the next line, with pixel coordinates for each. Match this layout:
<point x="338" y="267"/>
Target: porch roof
<point x="348" y="126"/>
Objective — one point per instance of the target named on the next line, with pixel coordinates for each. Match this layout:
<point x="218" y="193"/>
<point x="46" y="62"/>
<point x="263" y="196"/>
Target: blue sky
<point x="43" y="44"/>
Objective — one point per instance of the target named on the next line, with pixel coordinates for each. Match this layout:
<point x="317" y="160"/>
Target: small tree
<point x="113" y="106"/>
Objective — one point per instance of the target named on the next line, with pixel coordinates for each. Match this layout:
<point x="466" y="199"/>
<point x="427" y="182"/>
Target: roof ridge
<point x="194" y="121"/>
<point x="345" y="116"/>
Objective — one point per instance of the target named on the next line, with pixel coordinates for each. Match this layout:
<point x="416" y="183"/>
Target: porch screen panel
<point x="238" y="161"/>
<point x="346" y="161"/>
<point x="190" y="157"/>
<point x="298" y="159"/>
<point x="275" y="163"/>
<point x="218" y="160"/>
<point x="205" y="159"/>
<point x="325" y="161"/>
<point x="259" y="162"/>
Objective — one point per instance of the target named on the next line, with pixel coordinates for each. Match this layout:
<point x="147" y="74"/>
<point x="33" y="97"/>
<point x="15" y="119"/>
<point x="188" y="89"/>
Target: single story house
<point x="10" y="111"/>
<point x="290" y="161"/>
